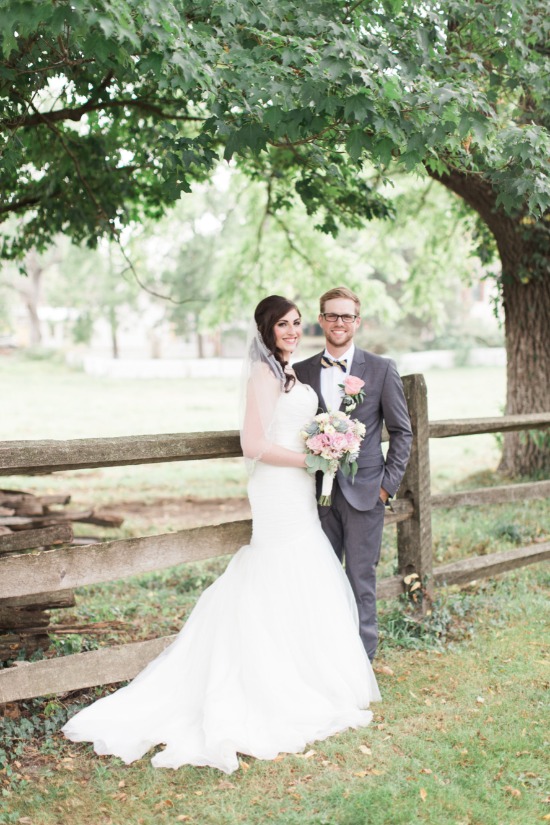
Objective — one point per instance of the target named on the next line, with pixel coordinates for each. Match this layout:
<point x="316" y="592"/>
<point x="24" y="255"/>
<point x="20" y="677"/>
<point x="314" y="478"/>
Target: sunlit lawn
<point x="46" y="400"/>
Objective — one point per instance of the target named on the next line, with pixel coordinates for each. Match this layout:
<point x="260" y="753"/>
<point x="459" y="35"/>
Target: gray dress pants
<point x="356" y="536"/>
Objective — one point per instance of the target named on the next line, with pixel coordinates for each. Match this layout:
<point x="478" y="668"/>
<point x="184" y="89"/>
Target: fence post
<point x="414" y="536"/>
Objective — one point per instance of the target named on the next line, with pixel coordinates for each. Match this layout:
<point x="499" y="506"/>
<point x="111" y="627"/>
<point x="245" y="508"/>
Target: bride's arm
<point x="263" y="394"/>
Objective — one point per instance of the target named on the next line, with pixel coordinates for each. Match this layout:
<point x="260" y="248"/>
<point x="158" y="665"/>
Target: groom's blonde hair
<point x="340" y="292"/>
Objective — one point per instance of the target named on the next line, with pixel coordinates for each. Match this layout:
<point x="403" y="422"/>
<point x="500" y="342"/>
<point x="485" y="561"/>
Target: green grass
<point x="460" y="736"/>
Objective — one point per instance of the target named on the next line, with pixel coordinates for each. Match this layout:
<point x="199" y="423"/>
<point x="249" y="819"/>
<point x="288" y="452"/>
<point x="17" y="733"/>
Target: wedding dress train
<point x="270" y="658"/>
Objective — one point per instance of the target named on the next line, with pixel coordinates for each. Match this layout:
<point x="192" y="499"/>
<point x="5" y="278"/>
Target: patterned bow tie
<point x="327" y="362"/>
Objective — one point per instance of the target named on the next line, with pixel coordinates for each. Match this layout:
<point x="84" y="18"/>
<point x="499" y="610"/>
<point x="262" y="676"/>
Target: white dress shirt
<point x="332" y="376"/>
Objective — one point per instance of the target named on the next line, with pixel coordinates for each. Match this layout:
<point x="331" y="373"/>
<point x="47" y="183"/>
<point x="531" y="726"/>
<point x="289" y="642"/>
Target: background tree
<point x="111" y="108"/>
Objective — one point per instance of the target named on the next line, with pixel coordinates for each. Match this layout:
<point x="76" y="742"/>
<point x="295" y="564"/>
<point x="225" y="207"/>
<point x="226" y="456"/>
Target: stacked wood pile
<point x="30" y="523"/>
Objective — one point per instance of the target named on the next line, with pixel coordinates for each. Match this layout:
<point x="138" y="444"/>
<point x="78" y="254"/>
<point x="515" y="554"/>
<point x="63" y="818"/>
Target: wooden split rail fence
<point x="59" y="569"/>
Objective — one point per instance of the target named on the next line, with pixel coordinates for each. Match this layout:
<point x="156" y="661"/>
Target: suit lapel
<point x="315" y="379"/>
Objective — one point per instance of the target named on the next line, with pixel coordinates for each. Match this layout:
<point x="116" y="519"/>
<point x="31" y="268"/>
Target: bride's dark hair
<point x="267" y="313"/>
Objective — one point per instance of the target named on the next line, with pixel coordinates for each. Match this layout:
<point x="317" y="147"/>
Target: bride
<point x="270" y="659"/>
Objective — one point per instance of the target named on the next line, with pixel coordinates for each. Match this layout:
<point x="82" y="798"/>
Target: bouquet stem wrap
<point x="326" y="489"/>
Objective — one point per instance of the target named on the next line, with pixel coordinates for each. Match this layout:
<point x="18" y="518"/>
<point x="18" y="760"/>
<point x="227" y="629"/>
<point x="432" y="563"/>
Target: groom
<point x="355" y="519"/>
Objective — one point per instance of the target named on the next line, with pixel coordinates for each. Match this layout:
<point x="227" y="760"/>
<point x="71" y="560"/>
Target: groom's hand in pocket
<point x="384" y="495"/>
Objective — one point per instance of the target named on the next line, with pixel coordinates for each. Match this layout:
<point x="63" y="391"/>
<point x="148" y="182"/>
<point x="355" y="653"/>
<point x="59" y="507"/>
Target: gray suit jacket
<point x="384" y="402"/>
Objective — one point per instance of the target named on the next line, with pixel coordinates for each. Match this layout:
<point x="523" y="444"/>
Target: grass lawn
<point x="461" y="733"/>
<point x="46" y="400"/>
<point x="460" y="738"/>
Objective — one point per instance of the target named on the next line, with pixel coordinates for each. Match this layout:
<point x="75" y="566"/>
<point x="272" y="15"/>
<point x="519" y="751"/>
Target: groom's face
<point x="339" y="333"/>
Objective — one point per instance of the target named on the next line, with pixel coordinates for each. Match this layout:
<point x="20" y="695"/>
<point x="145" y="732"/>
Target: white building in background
<point x="149" y="347"/>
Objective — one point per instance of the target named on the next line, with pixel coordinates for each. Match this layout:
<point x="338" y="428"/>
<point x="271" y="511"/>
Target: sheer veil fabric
<point x="262" y="383"/>
<point x="270" y="658"/>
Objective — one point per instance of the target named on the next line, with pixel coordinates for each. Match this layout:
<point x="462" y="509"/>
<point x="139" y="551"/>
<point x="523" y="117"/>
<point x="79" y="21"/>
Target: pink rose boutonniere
<point x="353" y="392"/>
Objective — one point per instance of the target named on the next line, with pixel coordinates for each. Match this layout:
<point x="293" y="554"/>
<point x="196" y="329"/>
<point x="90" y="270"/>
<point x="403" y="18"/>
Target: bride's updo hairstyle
<point x="267" y="313"/>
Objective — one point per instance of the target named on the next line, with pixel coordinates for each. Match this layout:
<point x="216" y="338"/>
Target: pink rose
<point x="352" y="384"/>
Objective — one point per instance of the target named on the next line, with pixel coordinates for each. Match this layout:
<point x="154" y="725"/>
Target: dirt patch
<point x="181" y="513"/>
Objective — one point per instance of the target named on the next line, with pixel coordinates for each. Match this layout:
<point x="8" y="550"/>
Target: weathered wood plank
<point x="28" y="457"/>
<point x="83" y="516"/>
<point x="494" y="495"/>
<point x="390" y="588"/>
<point x="414" y="536"/>
<point x="54" y="498"/>
<point x="11" y="644"/>
<point x="483" y="567"/>
<point x="29" y="539"/>
<point x="402" y="509"/>
<point x="80" y="670"/>
<point x="116" y="664"/>
<point x="48" y="601"/>
<point x="71" y="567"/>
<point x="496" y="424"/>
<point x="12" y="618"/>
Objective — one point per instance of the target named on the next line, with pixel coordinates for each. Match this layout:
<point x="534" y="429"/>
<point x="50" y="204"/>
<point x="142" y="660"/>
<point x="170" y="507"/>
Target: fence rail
<point x="29" y="578"/>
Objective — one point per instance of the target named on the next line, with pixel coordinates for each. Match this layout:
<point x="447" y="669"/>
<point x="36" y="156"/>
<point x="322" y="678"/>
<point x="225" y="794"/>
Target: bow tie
<point x="327" y="362"/>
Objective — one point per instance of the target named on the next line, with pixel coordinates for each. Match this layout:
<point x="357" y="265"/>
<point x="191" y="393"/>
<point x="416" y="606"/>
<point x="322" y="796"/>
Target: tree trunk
<point x="32" y="295"/>
<point x="113" y="324"/>
<point x="524" y="251"/>
<point x="527" y="314"/>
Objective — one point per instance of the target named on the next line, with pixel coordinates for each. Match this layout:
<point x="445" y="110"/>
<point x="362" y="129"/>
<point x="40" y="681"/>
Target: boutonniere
<point x="353" y="392"/>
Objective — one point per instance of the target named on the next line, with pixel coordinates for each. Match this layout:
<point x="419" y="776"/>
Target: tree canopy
<point x="112" y="108"/>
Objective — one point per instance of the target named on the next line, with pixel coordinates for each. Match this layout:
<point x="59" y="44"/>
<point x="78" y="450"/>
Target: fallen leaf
<point x="360" y="774"/>
<point x="183" y="818"/>
<point x="122" y="784"/>
<point x="387" y="671"/>
<point x="423" y="794"/>
<point x="512" y="791"/>
<point x="198" y="793"/>
<point x="364" y="749"/>
<point x="244" y="765"/>
<point x="426" y="770"/>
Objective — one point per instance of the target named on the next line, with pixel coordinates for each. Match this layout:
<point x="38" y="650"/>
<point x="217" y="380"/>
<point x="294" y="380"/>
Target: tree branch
<point x="91" y="106"/>
<point x="292" y="245"/>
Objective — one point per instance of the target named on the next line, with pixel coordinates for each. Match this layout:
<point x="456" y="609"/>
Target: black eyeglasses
<point x="332" y="317"/>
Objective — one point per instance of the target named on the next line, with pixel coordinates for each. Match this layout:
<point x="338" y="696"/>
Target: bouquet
<point x="332" y="442"/>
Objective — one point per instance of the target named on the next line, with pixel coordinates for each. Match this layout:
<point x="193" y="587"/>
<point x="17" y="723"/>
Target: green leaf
<point x="356" y="143"/>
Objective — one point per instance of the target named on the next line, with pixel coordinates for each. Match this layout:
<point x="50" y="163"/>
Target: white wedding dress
<point x="270" y="658"/>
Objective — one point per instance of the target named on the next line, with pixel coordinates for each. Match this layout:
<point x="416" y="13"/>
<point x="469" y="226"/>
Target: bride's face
<point x="287" y="332"/>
